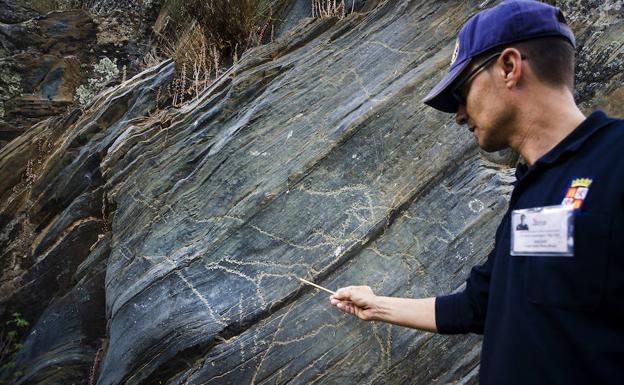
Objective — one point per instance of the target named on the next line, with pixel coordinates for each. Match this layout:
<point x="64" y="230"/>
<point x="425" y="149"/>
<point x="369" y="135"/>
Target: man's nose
<point x="461" y="117"/>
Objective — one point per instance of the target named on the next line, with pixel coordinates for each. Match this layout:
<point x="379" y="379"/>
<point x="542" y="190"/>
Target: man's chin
<point x="492" y="147"/>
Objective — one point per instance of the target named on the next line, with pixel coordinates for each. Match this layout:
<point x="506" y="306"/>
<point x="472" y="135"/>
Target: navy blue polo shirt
<point x="554" y="320"/>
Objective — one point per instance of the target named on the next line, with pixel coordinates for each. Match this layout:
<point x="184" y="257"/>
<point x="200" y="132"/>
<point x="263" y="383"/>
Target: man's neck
<point x="544" y="122"/>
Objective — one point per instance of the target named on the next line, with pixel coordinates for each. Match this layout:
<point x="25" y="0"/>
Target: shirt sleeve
<point x="464" y="312"/>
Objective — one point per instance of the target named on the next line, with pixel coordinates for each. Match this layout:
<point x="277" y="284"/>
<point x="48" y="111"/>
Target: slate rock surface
<point x="159" y="245"/>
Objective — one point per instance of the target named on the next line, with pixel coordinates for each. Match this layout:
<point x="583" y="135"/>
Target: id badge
<point x="543" y="231"/>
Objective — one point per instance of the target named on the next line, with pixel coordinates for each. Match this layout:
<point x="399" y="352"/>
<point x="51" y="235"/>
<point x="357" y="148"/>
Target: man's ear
<point x="510" y="66"/>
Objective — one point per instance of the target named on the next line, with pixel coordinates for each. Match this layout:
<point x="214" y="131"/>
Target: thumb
<point x="344" y="293"/>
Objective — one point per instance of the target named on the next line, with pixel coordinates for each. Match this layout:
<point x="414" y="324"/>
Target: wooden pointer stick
<point x="315" y="285"/>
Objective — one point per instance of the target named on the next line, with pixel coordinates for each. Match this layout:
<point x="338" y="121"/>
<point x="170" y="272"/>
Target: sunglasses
<point x="460" y="92"/>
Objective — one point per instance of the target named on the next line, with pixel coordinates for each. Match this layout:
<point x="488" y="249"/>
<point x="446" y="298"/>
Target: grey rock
<point x="15" y="11"/>
<point x="44" y="59"/>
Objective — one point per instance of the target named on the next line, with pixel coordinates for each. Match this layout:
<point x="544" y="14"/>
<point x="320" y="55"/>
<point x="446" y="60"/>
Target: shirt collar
<point x="570" y="143"/>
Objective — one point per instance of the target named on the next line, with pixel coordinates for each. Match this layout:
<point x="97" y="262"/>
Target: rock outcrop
<point x="45" y="57"/>
<point x="160" y="245"/>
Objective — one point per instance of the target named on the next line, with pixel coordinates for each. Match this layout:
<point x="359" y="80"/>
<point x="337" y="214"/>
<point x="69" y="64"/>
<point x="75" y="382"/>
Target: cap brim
<point x="440" y="96"/>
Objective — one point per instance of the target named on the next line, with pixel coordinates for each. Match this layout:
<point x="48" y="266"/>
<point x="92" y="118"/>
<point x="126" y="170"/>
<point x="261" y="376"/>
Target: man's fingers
<point x="347" y="307"/>
<point x="350" y="300"/>
<point x="335" y="301"/>
<point x="342" y="293"/>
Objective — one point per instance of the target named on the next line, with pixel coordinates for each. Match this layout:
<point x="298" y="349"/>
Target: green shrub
<point x="9" y="343"/>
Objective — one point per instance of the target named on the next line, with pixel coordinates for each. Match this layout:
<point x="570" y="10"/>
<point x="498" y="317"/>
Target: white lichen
<point x="11" y="85"/>
<point x="103" y="73"/>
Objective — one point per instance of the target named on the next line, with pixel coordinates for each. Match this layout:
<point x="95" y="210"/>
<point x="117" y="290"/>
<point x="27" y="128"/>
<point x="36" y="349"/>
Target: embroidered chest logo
<point x="577" y="192"/>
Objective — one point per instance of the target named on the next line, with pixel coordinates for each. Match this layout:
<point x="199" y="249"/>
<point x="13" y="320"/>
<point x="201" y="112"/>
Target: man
<point x="522" y="225"/>
<point x="549" y="302"/>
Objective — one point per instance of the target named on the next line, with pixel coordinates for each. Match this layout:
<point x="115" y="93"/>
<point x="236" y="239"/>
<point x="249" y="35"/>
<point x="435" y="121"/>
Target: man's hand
<point x="356" y="300"/>
<point x="364" y="304"/>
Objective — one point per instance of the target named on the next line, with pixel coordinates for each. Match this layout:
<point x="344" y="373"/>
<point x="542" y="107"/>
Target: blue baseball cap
<point x="508" y="22"/>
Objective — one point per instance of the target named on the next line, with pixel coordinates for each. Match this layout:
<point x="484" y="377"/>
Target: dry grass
<point x="329" y="8"/>
<point x="95" y="367"/>
<point x="221" y="29"/>
<point x="204" y="37"/>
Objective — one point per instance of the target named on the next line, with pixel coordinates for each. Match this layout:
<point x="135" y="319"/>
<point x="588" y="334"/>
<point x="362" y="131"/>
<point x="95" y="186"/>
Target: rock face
<point x="159" y="245"/>
<point x="51" y="73"/>
<point x="45" y="57"/>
